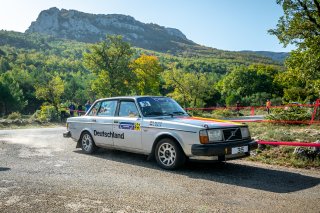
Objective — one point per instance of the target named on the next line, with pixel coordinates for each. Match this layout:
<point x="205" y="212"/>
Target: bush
<point x="195" y="112"/>
<point x="14" y="115"/>
<point x="47" y="113"/>
<point x="232" y="99"/>
<point x="224" y="113"/>
<point x="259" y="99"/>
<point x="294" y="113"/>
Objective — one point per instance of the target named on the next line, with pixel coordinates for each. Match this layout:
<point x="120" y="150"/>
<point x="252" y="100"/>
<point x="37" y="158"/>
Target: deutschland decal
<point x="108" y="134"/>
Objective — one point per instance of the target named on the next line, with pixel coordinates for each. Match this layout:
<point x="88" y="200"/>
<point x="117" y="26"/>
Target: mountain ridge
<point x="91" y="28"/>
<point x="86" y="27"/>
<point x="276" y="56"/>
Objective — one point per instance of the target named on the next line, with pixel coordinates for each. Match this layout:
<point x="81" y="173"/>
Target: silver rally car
<point x="160" y="128"/>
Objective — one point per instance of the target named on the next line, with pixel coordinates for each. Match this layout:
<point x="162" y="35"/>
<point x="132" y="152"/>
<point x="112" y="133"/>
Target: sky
<point x="223" y="24"/>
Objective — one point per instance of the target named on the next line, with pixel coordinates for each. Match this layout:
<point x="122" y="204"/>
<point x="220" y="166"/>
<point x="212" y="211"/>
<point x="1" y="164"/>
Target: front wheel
<point x="169" y="155"/>
<point x="87" y="143"/>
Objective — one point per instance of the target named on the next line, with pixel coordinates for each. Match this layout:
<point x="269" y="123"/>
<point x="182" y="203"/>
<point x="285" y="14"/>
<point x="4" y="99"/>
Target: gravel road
<point x="40" y="171"/>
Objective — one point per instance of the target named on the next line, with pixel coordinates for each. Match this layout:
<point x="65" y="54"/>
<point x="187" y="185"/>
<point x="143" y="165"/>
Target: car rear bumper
<point x="67" y="134"/>
<point x="222" y="149"/>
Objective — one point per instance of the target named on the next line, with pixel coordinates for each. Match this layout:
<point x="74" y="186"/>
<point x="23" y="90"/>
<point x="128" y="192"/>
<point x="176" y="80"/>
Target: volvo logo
<point x="232" y="134"/>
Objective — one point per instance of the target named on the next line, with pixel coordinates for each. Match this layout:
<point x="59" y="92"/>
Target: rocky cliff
<point x="72" y="24"/>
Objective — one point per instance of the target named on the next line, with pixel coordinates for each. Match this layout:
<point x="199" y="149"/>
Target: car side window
<point x="128" y="109"/>
<point x="94" y="109"/>
<point x="107" y="108"/>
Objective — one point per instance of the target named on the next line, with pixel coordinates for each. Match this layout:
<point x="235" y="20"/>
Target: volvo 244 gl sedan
<point x="158" y="127"/>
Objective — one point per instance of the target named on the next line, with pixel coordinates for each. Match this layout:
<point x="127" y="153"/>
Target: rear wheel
<point x="168" y="154"/>
<point x="87" y="143"/>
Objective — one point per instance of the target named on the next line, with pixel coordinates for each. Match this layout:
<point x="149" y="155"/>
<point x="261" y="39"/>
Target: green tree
<point x="11" y="96"/>
<point x="246" y="81"/>
<point x="189" y="88"/>
<point x="51" y="92"/>
<point x="4" y="65"/>
<point x="147" y="70"/>
<point x="300" y="26"/>
<point x="26" y="83"/>
<point x="109" y="60"/>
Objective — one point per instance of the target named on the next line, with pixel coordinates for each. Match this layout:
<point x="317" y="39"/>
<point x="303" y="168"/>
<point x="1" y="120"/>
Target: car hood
<point x="205" y="122"/>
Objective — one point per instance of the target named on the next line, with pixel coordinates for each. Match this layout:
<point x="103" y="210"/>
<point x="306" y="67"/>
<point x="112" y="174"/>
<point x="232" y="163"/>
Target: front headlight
<point x="215" y="135"/>
<point x="245" y="132"/>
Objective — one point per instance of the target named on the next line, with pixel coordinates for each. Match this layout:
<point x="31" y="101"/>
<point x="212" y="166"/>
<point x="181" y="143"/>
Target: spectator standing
<point x="268" y="106"/>
<point x="72" y="108"/>
<point x="87" y="106"/>
<point x="80" y="109"/>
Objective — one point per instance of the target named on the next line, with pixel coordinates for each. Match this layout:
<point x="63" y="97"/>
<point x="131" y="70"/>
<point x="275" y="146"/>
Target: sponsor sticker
<point x="137" y="127"/>
<point x="129" y="126"/>
<point x="126" y="125"/>
<point x="162" y="100"/>
<point x="155" y="123"/>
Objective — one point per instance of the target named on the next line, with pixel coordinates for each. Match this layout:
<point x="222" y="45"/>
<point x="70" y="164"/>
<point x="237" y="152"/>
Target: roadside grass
<point x="31" y="125"/>
<point x="284" y="155"/>
<point x="26" y="122"/>
<point x="283" y="132"/>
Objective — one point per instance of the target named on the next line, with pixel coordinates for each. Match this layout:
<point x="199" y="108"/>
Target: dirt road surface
<point x="40" y="171"/>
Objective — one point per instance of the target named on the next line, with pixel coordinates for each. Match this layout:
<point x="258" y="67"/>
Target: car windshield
<point x="160" y="106"/>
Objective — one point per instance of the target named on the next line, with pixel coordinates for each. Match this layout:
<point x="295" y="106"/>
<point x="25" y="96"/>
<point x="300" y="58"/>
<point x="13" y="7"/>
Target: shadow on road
<point x="251" y="177"/>
<point x="2" y="169"/>
<point x="231" y="173"/>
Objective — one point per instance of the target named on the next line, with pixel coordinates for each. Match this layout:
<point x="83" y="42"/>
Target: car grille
<point x="232" y="134"/>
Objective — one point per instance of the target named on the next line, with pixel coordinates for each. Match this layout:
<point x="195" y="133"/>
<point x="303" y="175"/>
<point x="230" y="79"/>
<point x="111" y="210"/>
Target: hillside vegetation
<point x="29" y="62"/>
<point x="51" y="71"/>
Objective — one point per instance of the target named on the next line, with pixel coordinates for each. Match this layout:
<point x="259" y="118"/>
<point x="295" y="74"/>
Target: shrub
<point x="259" y="99"/>
<point x="47" y="113"/>
<point x="232" y="99"/>
<point x="195" y="112"/>
<point x="14" y="115"/>
<point x="294" y="113"/>
<point x="224" y="113"/>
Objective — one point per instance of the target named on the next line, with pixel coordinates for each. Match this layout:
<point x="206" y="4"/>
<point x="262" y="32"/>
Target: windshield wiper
<point x="174" y="113"/>
<point x="164" y="114"/>
<point x="153" y="113"/>
<point x="179" y="113"/>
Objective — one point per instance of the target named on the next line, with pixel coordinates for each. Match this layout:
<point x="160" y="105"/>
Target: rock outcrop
<point x="72" y="24"/>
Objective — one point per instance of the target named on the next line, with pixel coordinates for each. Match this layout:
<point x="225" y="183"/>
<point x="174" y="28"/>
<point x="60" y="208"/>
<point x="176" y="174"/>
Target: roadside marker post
<point x="315" y="110"/>
<point x="252" y="111"/>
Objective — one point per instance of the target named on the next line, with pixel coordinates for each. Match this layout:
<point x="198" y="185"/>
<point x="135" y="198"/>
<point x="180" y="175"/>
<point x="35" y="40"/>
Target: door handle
<point x="115" y="122"/>
<point x="93" y="120"/>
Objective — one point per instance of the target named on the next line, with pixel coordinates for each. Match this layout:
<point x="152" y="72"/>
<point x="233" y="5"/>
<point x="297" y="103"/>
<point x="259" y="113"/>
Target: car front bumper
<point x="222" y="149"/>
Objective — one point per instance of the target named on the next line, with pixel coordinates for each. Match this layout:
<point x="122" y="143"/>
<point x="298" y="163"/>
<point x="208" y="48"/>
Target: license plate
<point x="240" y="149"/>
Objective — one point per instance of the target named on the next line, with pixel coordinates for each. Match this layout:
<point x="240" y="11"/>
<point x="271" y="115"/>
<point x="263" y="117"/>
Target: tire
<point x="87" y="144"/>
<point x="169" y="155"/>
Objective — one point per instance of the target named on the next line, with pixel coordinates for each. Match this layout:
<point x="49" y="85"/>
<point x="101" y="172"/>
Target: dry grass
<point x="283" y="132"/>
<point x="283" y="155"/>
